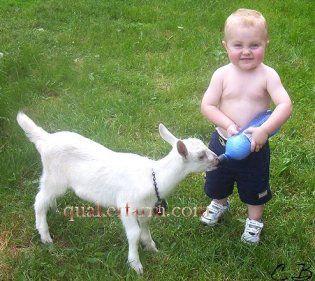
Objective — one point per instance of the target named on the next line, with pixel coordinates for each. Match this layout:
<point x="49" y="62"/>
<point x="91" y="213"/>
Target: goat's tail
<point x="34" y="133"/>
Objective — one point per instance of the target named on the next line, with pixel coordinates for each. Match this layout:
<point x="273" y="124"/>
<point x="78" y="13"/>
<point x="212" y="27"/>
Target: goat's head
<point x="193" y="151"/>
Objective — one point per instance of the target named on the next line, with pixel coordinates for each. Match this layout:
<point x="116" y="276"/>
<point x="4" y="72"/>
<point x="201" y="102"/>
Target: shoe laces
<point x="253" y="227"/>
<point x="215" y="207"/>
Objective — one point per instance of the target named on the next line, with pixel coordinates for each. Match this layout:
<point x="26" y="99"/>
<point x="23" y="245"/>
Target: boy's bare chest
<point x="238" y="88"/>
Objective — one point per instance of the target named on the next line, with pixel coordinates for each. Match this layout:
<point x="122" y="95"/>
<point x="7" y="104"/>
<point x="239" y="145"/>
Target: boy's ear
<point x="224" y="44"/>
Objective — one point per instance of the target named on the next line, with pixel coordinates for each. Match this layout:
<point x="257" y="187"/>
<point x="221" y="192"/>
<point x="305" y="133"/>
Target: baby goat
<point x="111" y="179"/>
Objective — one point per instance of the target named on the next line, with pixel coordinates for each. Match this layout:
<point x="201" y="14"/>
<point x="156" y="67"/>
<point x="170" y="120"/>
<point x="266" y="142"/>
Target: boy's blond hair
<point x="247" y="18"/>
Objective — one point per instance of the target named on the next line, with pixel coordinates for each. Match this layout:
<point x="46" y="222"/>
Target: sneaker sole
<point x="249" y="242"/>
<point x="205" y="222"/>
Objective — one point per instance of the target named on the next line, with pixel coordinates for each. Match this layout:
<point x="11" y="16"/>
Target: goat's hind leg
<point x="45" y="198"/>
<point x="53" y="206"/>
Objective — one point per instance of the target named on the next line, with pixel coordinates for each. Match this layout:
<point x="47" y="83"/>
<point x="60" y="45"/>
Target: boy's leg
<point x="218" y="185"/>
<point x="220" y="182"/>
<point x="221" y="201"/>
<point x="254" y="190"/>
<point x="255" y="212"/>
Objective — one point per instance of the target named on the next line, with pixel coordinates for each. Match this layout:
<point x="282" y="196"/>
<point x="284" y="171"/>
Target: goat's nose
<point x="217" y="161"/>
<point x="214" y="163"/>
<point x="214" y="159"/>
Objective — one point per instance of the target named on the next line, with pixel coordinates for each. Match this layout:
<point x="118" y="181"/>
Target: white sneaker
<point x="213" y="213"/>
<point x="252" y="231"/>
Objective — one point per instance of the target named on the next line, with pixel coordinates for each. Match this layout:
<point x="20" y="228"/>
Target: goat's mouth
<point x="214" y="164"/>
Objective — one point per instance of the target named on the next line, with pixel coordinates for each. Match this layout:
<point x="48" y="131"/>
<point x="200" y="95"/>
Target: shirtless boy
<point x="237" y="93"/>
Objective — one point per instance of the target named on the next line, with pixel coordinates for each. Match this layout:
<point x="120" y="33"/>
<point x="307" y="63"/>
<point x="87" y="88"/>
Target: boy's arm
<point x="279" y="116"/>
<point x="211" y="101"/>
<point x="282" y="101"/>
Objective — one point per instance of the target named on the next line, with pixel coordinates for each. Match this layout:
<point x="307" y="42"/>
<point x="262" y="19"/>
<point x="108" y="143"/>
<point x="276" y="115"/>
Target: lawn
<point x="112" y="70"/>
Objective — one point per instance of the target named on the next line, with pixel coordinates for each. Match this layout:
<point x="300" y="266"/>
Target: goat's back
<point x="88" y="167"/>
<point x="94" y="172"/>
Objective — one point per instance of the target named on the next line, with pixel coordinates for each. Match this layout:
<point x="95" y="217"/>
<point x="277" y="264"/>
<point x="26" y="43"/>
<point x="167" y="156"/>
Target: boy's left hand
<point x="259" y="138"/>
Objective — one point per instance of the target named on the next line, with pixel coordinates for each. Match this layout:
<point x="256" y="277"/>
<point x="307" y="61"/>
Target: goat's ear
<point x="182" y="149"/>
<point x="167" y="135"/>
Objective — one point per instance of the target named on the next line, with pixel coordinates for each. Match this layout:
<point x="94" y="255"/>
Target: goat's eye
<point x="202" y="156"/>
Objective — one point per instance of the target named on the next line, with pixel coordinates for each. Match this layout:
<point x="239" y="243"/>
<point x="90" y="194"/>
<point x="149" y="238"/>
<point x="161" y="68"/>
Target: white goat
<point x="110" y="179"/>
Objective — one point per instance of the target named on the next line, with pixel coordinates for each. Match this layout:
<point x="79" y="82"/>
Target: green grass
<point x="113" y="70"/>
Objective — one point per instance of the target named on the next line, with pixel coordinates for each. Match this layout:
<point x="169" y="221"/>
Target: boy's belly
<point x="241" y="114"/>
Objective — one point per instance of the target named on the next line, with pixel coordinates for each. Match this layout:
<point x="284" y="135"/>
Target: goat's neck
<point x="169" y="170"/>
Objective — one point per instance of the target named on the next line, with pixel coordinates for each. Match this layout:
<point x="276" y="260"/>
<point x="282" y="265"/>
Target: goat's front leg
<point x="133" y="235"/>
<point x="145" y="236"/>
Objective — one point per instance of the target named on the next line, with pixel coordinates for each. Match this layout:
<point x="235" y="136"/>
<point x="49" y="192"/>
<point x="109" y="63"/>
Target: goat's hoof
<point x="49" y="246"/>
<point x="137" y="266"/>
<point x="46" y="239"/>
<point x="150" y="248"/>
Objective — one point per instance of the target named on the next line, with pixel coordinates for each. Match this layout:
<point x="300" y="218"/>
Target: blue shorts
<point x="250" y="174"/>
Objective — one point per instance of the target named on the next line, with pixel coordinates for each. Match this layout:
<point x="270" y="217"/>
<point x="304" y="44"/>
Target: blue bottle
<point x="237" y="147"/>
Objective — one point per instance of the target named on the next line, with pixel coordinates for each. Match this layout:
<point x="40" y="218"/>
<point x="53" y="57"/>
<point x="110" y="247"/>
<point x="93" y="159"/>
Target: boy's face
<point x="246" y="46"/>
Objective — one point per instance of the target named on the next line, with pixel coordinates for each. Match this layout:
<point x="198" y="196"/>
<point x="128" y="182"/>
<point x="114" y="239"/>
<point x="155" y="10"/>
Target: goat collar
<point x="161" y="204"/>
